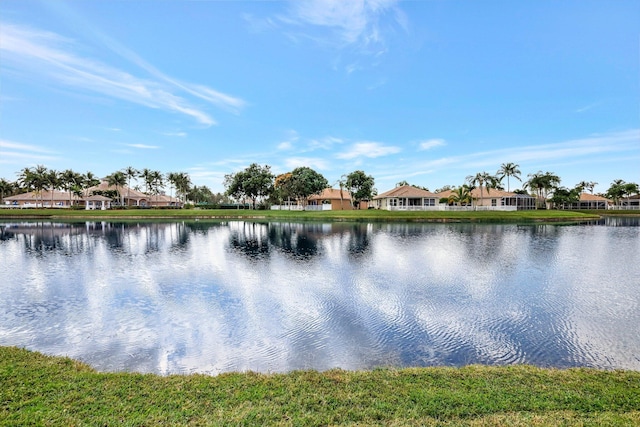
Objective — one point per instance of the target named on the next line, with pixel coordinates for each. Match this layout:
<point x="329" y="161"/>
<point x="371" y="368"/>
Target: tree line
<point x="257" y="184"/>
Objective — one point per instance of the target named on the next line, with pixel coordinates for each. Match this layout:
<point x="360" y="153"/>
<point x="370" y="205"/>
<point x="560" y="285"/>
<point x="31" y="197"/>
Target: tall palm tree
<point x="70" y="178"/>
<point x="147" y="176"/>
<point x="130" y="172"/>
<point x="89" y="180"/>
<point x="172" y="178"/>
<point x="583" y="185"/>
<point x="483" y="180"/>
<point x="54" y="182"/>
<point x="118" y="180"/>
<point x="34" y="179"/>
<point x="508" y="170"/>
<point x="183" y="184"/>
<point x="157" y="182"/>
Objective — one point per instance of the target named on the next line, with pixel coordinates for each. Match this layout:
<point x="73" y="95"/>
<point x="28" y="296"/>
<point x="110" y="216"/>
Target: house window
<point x="429" y="202"/>
<point x="393" y="202"/>
<point x="494" y="202"/>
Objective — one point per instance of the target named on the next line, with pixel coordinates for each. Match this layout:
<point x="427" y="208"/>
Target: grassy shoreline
<point x="356" y="215"/>
<point x="45" y="390"/>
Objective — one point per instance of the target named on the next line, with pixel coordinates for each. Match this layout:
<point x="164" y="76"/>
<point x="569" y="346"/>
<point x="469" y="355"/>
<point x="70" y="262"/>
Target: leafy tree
<point x="282" y="188"/>
<point x="254" y="182"/>
<point x="483" y="180"/>
<point x="620" y="189"/>
<point x="563" y="196"/>
<point x="402" y="183"/>
<point x="508" y="170"/>
<point x="360" y="186"/>
<point x="305" y="182"/>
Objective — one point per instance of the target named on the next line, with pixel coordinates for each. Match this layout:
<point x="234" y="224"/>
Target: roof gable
<point x="408" y="191"/>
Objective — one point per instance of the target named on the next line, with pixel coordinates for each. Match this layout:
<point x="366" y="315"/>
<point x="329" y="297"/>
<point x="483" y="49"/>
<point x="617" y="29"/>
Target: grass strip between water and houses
<point x="45" y="390"/>
<point x="351" y="215"/>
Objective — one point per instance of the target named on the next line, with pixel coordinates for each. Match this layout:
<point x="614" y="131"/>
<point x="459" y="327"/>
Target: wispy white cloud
<point x="431" y="143"/>
<point x="22" y="147"/>
<point x="291" y="139"/>
<point x="368" y="149"/>
<point x="176" y="134"/>
<point x="143" y="146"/>
<point x="352" y="22"/>
<point x="285" y="145"/>
<point x="326" y="143"/>
<point x="53" y="57"/>
<point x="312" y="162"/>
<point x="12" y="152"/>
<point x="587" y="107"/>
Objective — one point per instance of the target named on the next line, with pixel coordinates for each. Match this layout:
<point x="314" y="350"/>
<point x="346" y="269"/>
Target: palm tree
<point x="508" y="170"/>
<point x="6" y="187"/>
<point x="461" y="196"/>
<point x="542" y="183"/>
<point x="54" y="182"/>
<point x="183" y="184"/>
<point x="157" y="182"/>
<point x="34" y="179"/>
<point x="130" y="172"/>
<point x="146" y="175"/>
<point x="88" y="180"/>
<point x="172" y="178"/>
<point x="483" y="180"/>
<point x="68" y="179"/>
<point x="582" y="185"/>
<point x="118" y="180"/>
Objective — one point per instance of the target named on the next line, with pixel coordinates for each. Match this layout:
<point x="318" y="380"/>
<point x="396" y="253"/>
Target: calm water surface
<point x="212" y="297"/>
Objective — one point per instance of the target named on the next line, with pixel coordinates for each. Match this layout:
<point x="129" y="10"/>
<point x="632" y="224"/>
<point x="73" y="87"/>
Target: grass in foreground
<point x="42" y="390"/>
<point x="354" y="215"/>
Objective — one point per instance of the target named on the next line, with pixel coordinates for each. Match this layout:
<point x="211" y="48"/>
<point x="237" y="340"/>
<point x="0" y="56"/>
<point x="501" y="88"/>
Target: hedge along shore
<point x="46" y="390"/>
<point x="353" y="215"/>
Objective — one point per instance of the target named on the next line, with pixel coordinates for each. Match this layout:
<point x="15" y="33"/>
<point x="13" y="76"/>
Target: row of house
<point x="93" y="201"/>
<point x="405" y="198"/>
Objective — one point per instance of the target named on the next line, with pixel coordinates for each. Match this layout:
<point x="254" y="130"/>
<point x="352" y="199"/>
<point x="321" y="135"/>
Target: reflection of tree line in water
<point x="257" y="239"/>
<point x="253" y="239"/>
<point x="299" y="240"/>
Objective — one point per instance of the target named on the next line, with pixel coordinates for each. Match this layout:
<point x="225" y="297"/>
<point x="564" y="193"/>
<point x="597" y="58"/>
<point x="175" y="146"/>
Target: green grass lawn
<point x="42" y="390"/>
<point x="355" y="215"/>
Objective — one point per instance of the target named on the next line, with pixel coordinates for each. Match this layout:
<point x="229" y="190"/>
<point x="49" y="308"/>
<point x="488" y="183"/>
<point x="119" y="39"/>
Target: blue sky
<point x="424" y="91"/>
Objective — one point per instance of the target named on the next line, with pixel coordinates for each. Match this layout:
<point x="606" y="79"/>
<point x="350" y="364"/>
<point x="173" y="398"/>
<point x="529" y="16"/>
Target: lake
<point x="220" y="296"/>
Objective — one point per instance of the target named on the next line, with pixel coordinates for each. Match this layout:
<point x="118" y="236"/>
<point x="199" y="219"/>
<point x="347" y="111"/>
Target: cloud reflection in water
<point x="212" y="297"/>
